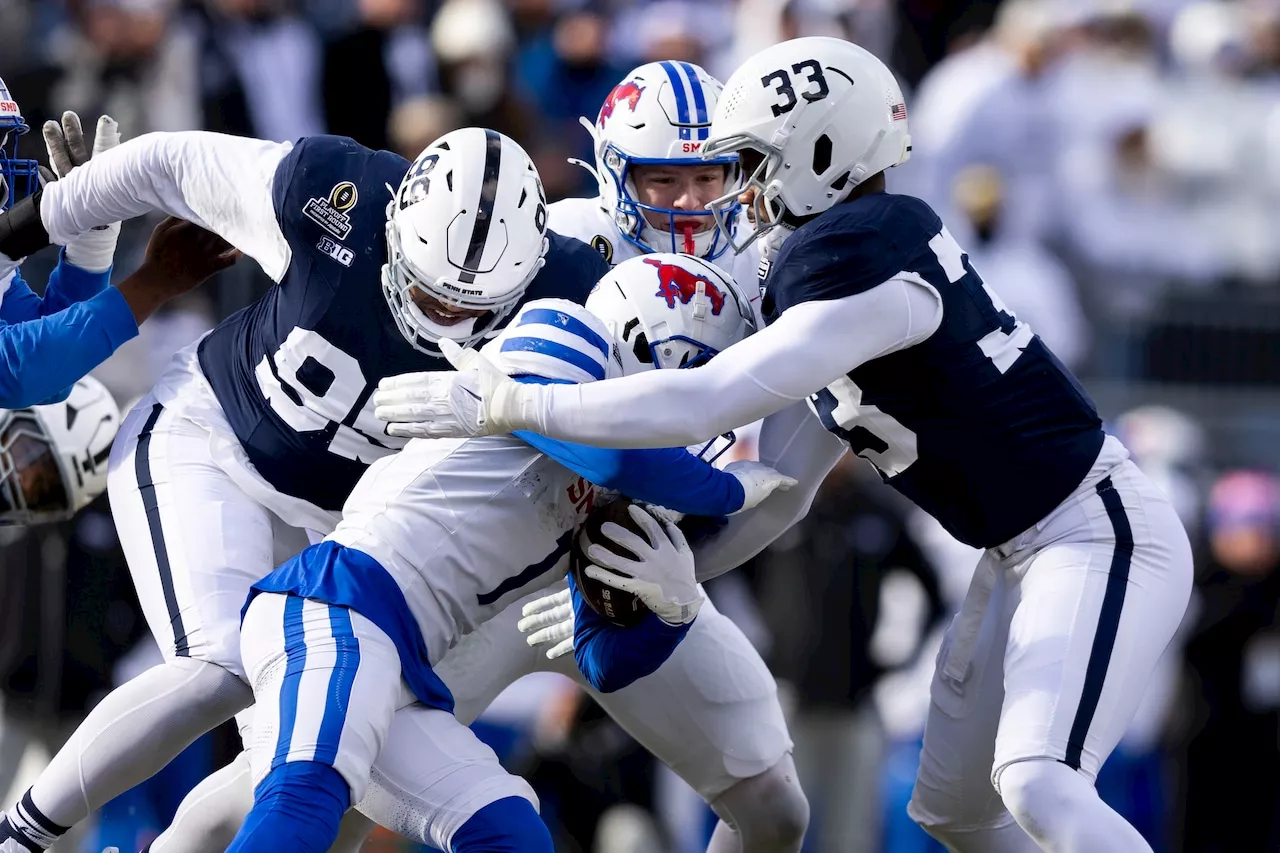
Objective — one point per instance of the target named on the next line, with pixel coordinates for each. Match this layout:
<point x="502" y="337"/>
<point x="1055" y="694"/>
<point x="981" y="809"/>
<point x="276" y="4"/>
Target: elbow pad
<point x="21" y="231"/>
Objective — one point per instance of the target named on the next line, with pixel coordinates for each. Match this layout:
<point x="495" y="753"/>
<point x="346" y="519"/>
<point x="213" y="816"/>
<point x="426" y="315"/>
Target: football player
<point x="53" y="458"/>
<point x="909" y="360"/>
<point x="435" y="540"/>
<point x="48" y="343"/>
<point x="726" y="736"/>
<point x="654" y="183"/>
<point x="252" y="439"/>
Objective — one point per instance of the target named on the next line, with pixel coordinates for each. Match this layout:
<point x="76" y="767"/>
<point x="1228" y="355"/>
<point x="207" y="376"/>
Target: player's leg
<point x="711" y="713"/>
<point x="953" y="799"/>
<point x="437" y="783"/>
<point x="194" y="542"/>
<point x="326" y="682"/>
<point x="1098" y="606"/>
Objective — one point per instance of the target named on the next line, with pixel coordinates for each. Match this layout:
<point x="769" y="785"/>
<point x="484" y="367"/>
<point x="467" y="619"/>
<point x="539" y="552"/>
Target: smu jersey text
<point x="980" y="425"/>
<point x="295" y="372"/>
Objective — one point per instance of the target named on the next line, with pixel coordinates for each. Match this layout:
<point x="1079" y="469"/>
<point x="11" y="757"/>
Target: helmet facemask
<point x="33" y="485"/>
<point x="400" y="279"/>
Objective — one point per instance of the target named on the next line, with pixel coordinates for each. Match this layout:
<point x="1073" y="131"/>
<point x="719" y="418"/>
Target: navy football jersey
<point x="295" y="372"/>
<point x="980" y="425"/>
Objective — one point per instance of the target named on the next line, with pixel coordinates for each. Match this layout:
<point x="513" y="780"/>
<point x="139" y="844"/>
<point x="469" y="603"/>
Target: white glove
<point x="549" y="620"/>
<point x="662" y="577"/>
<point x="758" y="481"/>
<point x="460" y="403"/>
<point x="94" y="250"/>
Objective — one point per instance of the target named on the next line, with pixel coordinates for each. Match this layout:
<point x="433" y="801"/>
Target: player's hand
<point x="179" y="257"/>
<point x="758" y="481"/>
<point x="548" y="621"/>
<point x="445" y="404"/>
<point x="662" y="576"/>
<point x="68" y="148"/>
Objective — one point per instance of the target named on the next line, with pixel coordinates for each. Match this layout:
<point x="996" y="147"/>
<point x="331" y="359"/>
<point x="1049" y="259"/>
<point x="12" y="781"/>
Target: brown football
<point x="620" y="608"/>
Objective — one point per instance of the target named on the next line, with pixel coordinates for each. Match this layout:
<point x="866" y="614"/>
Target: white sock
<point x="134" y="732"/>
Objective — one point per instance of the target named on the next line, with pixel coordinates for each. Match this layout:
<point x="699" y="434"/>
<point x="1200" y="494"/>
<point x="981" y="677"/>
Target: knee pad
<point x="1043" y="792"/>
<point x="509" y="825"/>
<point x="769" y="812"/>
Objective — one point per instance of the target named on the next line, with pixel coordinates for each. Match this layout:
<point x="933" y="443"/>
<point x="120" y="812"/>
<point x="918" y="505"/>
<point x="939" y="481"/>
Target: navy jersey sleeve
<point x="611" y="657"/>
<point x="850" y="249"/>
<point x="41" y="359"/>
<point x="330" y="197"/>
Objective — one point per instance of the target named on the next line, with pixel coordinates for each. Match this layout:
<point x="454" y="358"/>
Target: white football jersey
<point x="467" y="526"/>
<point x="586" y="220"/>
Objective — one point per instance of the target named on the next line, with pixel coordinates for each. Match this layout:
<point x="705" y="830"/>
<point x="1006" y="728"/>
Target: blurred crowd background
<point x="1111" y="166"/>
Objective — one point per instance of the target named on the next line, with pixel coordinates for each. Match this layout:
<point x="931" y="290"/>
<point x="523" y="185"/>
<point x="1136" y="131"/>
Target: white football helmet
<point x="669" y="311"/>
<point x="467" y="227"/>
<point x="660" y="114"/>
<point x="811" y="118"/>
<point x="53" y="459"/>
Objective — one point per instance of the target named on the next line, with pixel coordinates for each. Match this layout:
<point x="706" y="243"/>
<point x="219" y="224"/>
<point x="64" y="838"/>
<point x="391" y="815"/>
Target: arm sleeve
<point x="68" y="284"/>
<point x="221" y="183"/>
<point x="809" y="346"/>
<point x="19" y="302"/>
<point x="670" y="477"/>
<point x="610" y="657"/>
<point x="41" y="359"/>
<point x="793" y="442"/>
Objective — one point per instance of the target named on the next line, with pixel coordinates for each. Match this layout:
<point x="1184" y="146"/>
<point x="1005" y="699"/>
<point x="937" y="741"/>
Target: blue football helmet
<point x="18" y="178"/>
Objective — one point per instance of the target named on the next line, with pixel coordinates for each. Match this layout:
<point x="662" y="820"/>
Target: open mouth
<point x="440" y="313"/>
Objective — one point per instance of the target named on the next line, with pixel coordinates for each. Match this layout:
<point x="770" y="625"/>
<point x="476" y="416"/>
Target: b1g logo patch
<point x="338" y="252"/>
<point x="331" y="213"/>
<point x="604" y="247"/>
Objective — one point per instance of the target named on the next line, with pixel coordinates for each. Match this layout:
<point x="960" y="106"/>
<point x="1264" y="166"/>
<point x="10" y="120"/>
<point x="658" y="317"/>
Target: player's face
<point x="751" y="159"/>
<point x="679" y="188"/>
<point x="36" y="475"/>
<point x="440" y="312"/>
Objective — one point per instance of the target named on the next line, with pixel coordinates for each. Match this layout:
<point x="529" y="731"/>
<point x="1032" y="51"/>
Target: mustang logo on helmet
<point x="624" y="93"/>
<point x="676" y="282"/>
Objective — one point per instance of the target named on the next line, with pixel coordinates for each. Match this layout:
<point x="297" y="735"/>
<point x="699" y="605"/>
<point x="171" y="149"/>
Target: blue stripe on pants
<point x="338" y="696"/>
<point x="1104" y="639"/>
<point x="295" y="649"/>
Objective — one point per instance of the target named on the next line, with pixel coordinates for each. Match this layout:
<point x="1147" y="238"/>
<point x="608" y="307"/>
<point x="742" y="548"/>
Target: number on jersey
<point x="877" y="436"/>
<point x="316" y="387"/>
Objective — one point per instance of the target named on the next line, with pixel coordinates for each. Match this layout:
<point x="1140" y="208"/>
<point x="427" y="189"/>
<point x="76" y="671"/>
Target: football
<point x="620" y="608"/>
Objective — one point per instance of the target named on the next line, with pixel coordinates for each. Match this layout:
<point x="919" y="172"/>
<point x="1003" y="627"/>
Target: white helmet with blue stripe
<point x="554" y="340"/>
<point x="18" y="178"/>
<point x="660" y="114"/>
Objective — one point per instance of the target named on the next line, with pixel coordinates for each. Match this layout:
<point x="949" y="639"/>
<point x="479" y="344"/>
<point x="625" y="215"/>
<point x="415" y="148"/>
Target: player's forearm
<point x="221" y="183"/>
<point x="794" y="443"/>
<point x="610" y="657"/>
<point x="807" y="348"/>
<point x="41" y="359"/>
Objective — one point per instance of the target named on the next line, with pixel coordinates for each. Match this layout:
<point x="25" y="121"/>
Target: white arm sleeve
<point x="221" y="183"/>
<point x="793" y="442"/>
<point x="811" y="345"/>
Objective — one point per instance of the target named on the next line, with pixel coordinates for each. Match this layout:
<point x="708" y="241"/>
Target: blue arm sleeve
<point x="670" y="477"/>
<point x="68" y="284"/>
<point x="40" y="360"/>
<point x="611" y="657"/>
<point x="19" y="302"/>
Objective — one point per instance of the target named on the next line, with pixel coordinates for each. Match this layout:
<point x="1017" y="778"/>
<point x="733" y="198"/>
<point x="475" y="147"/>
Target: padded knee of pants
<point x="770" y="811"/>
<point x="1042" y="793"/>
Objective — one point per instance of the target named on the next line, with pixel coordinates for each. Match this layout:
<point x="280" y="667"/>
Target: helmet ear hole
<point x="641" y="349"/>
<point x="821" y="154"/>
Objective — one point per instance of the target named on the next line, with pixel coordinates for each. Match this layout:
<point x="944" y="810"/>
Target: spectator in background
<point x="820" y="592"/>
<point x="474" y="42"/>
<point x="564" y="73"/>
<point x="1233" y="661"/>
<point x="1032" y="281"/>
<point x="418" y="122"/>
